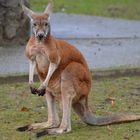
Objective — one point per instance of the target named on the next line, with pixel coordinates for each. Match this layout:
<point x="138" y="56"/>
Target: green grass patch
<point x="127" y="9"/>
<point x="125" y="91"/>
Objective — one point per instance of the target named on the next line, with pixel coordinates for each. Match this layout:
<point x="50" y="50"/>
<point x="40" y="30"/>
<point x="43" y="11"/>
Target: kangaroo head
<point x="40" y="22"/>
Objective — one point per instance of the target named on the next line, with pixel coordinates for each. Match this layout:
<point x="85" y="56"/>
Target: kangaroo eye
<point x="46" y="24"/>
<point x="35" y="24"/>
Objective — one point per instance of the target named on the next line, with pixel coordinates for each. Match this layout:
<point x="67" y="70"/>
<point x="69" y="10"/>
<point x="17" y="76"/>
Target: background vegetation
<point x="128" y="9"/>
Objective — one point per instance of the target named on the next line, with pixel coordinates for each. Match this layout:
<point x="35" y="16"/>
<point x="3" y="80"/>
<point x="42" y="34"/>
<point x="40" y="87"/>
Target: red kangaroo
<point x="64" y="75"/>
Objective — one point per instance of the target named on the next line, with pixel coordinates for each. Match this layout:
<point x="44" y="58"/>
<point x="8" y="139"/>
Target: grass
<point x="18" y="107"/>
<point x="127" y="9"/>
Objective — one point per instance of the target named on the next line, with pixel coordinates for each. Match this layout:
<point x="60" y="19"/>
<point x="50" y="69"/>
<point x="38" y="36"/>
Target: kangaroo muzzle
<point x="40" y="36"/>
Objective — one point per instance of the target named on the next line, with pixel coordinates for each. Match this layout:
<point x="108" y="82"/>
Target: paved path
<point x="105" y="42"/>
<point x="81" y="26"/>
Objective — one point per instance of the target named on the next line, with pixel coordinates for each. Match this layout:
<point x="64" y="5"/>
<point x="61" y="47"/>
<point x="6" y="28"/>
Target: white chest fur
<point x="42" y="61"/>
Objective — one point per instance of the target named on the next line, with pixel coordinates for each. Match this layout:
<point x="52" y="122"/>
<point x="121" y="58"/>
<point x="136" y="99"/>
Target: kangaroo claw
<point x="33" y="90"/>
<point x="40" y="134"/>
<point x="41" y="92"/>
<point x="23" y="128"/>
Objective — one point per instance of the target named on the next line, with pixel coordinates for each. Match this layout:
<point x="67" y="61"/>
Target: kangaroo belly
<point x="55" y="88"/>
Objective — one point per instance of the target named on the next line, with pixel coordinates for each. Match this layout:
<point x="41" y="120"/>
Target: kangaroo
<point x="64" y="75"/>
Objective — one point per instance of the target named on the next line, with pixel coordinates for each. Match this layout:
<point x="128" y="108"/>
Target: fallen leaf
<point x="24" y="109"/>
<point x="128" y="136"/>
<point x="111" y="100"/>
<point x="109" y="128"/>
<point x="113" y="103"/>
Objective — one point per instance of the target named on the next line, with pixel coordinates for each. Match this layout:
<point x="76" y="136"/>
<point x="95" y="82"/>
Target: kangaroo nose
<point x="40" y="36"/>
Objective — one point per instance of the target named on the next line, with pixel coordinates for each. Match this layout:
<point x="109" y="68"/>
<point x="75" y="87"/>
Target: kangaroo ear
<point x="27" y="11"/>
<point x="49" y="8"/>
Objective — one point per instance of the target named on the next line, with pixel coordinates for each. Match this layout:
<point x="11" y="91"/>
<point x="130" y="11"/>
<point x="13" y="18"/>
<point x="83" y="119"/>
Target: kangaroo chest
<point x="42" y="62"/>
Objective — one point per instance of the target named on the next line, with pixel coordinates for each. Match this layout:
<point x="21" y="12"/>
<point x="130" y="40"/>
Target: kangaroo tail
<point x="81" y="108"/>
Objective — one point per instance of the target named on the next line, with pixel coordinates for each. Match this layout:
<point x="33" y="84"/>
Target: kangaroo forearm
<point x="54" y="62"/>
<point x="31" y="71"/>
<point x="52" y="68"/>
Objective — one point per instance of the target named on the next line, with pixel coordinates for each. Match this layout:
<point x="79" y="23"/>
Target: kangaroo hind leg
<point x="53" y="119"/>
<point x="67" y="95"/>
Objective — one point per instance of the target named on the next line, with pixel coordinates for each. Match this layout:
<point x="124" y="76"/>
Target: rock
<point x="14" y="25"/>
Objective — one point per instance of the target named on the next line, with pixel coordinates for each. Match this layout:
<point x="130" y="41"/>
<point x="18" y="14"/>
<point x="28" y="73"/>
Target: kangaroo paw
<point x="41" y="92"/>
<point x="33" y="90"/>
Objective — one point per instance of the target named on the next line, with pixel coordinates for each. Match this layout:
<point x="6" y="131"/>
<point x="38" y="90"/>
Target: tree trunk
<point x="14" y="25"/>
